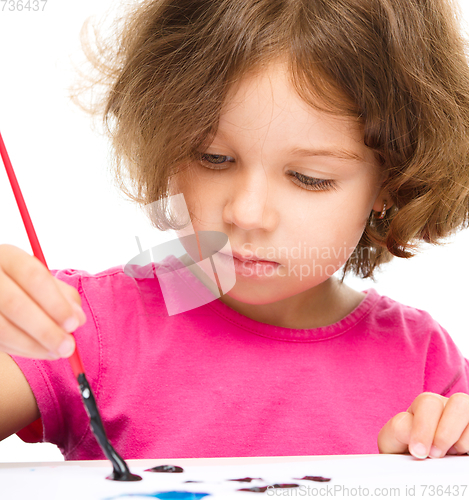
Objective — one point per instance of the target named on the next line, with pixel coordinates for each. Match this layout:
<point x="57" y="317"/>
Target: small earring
<point x="383" y="212"/>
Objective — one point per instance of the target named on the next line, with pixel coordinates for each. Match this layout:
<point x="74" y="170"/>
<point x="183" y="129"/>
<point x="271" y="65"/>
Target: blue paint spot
<point x="180" y="495"/>
<point x="166" y="495"/>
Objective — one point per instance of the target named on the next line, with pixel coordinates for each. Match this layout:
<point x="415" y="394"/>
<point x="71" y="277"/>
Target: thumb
<point x="394" y="437"/>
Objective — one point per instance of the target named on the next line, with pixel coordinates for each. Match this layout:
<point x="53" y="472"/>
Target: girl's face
<point x="286" y="183"/>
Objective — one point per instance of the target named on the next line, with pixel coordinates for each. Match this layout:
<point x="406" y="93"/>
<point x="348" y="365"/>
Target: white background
<point x="84" y="222"/>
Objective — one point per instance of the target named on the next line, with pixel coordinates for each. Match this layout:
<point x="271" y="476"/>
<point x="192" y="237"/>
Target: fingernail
<point x="419" y="450"/>
<point x="71" y="324"/>
<point x="66" y="348"/>
<point x="78" y="310"/>
<point x="452" y="451"/>
<point x="435" y="452"/>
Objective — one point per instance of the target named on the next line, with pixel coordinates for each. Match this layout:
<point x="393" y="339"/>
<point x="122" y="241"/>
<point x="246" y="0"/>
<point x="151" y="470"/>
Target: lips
<point x="250" y="258"/>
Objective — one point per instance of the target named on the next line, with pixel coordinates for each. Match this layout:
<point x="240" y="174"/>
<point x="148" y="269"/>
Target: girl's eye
<point x="308" y="183"/>
<point x="214" y="159"/>
<point x="313" y="184"/>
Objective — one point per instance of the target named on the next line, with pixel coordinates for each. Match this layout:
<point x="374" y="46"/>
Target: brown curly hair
<point x="398" y="66"/>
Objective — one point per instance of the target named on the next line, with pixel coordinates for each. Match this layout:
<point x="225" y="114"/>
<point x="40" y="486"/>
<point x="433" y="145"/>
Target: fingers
<point x="16" y="342"/>
<point x="395" y="435"/>
<point x="37" y="282"/>
<point x="22" y="314"/>
<point x="432" y="426"/>
<point x="36" y="310"/>
<point x="452" y="434"/>
<point x="73" y="297"/>
<point x="427" y="409"/>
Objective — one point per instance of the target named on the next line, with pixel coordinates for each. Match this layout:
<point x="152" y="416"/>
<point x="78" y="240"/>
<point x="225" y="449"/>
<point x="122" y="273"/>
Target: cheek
<point x="336" y="222"/>
<point x="349" y="226"/>
<point x="190" y="185"/>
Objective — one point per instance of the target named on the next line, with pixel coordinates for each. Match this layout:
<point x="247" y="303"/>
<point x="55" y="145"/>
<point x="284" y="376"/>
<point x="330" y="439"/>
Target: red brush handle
<point x="75" y="359"/>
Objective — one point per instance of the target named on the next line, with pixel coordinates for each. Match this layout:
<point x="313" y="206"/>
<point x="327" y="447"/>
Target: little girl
<point x="315" y="135"/>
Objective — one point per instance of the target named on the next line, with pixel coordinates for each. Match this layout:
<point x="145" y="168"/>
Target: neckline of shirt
<point x="281" y="333"/>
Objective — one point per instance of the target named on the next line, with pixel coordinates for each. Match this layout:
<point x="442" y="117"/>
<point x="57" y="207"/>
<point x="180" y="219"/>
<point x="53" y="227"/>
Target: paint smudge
<point x="193" y="481"/>
<point x="166" y="495"/>
<point x="165" y="468"/>
<point x="262" y="489"/>
<point x="255" y="489"/>
<point x="246" y="479"/>
<point x="180" y="495"/>
<point x="319" y="479"/>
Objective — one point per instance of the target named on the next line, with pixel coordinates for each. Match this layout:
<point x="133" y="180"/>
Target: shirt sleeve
<point x="54" y="385"/>
<point x="446" y="369"/>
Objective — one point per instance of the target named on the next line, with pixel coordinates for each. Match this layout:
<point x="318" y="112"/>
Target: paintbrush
<point x="121" y="471"/>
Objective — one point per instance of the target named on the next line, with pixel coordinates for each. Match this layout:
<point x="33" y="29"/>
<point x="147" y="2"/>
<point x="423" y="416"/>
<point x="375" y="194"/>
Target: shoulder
<point x="402" y="319"/>
<point x="414" y="335"/>
<point x="116" y="279"/>
<point x="71" y="275"/>
<point x="383" y="315"/>
<point x="408" y="331"/>
<point x="115" y="296"/>
<point x="76" y="277"/>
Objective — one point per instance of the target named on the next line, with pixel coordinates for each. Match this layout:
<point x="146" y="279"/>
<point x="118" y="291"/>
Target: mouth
<point x="252" y="267"/>
<point x="251" y="258"/>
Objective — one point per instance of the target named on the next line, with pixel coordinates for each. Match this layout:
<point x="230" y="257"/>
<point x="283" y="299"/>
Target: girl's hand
<point x="37" y="311"/>
<point x="432" y="426"/>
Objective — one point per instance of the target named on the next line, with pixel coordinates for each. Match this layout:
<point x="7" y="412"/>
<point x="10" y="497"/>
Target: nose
<point x="250" y="203"/>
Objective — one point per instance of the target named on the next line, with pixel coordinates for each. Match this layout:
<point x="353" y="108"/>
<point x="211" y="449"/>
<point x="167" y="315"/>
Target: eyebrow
<point x="336" y="153"/>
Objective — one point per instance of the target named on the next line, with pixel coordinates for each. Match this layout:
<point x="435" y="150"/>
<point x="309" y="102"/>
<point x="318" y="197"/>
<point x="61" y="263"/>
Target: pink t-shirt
<point x="210" y="382"/>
